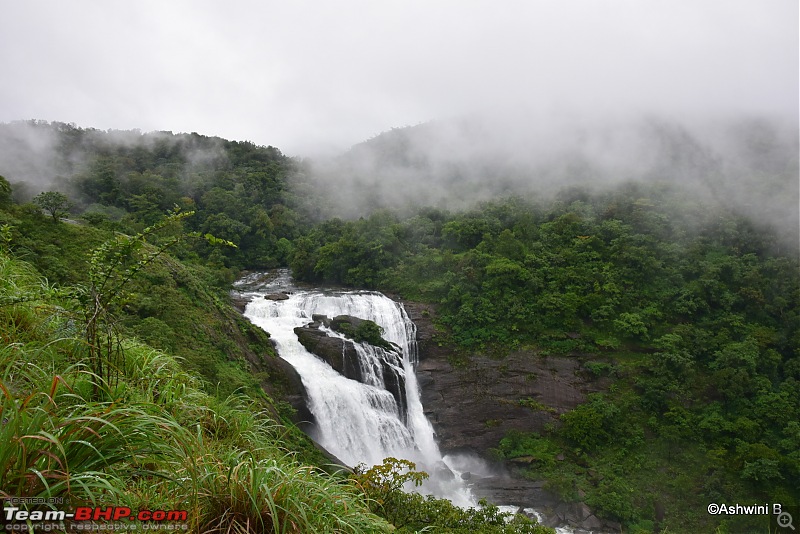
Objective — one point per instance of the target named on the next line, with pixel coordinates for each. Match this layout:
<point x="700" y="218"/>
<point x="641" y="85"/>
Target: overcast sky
<point x="311" y="77"/>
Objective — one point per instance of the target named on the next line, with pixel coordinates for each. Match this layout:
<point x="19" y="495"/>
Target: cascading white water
<point x="361" y="422"/>
<point x="357" y="422"/>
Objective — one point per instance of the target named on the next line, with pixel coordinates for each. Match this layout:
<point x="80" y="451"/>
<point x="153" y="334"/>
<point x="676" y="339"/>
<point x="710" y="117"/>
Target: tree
<point x="55" y="203"/>
<point x="5" y="193"/>
<point x="112" y="265"/>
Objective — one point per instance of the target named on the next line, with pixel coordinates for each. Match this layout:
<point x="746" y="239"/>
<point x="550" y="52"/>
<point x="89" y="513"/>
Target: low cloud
<point x="747" y="164"/>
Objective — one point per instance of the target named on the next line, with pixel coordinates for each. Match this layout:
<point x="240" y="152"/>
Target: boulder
<point x="337" y="352"/>
<point x="336" y="323"/>
<point x="277" y="296"/>
<point x="342" y="356"/>
<point x="591" y="523"/>
<point x="442" y="472"/>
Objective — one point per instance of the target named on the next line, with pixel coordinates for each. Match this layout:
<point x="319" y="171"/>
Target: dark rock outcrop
<point x="514" y="492"/>
<point x="337" y="352"/>
<point x="395" y="382"/>
<point x="294" y="392"/>
<point x="579" y="515"/>
<point x="342" y="356"/>
<point x="239" y="301"/>
<point x="337" y="322"/>
<point x="473" y="402"/>
<point x="442" y="472"/>
<point x="277" y="296"/>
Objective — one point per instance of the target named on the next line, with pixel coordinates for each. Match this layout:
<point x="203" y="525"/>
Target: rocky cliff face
<point x="471" y="404"/>
<point x="337" y="352"/>
<point x="474" y="403"/>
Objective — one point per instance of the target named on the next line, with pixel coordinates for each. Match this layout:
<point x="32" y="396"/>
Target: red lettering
<point x="83" y="513"/>
<point x="122" y="511"/>
<point x="178" y="515"/>
<point x="103" y="513"/>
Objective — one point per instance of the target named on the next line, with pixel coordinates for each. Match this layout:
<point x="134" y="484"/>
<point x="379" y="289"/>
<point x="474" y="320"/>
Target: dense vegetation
<point x="128" y="180"/>
<point x="127" y="379"/>
<point x="690" y="310"/>
<point x="150" y="438"/>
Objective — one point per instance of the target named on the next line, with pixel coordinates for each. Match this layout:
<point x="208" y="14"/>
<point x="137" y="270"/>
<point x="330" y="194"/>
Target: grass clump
<point x="152" y="439"/>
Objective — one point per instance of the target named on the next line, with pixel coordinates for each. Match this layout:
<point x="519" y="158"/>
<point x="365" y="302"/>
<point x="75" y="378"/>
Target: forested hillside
<point x="125" y="180"/>
<point x="127" y="378"/>
<point x="687" y="303"/>
<point x="692" y="312"/>
<point x="680" y="285"/>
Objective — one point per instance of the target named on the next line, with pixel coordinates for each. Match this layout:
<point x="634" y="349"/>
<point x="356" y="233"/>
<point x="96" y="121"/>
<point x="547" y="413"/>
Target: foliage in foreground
<point x="149" y="440"/>
<point x="385" y="486"/>
<point x="152" y="439"/>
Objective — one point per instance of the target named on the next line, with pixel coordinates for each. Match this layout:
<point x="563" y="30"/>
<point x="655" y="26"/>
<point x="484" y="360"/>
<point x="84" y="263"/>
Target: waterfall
<point x="357" y="421"/>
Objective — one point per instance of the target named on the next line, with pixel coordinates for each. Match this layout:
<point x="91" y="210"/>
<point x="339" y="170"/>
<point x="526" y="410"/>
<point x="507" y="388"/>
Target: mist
<point x="38" y="156"/>
<point x="747" y="163"/>
<point x="316" y="79"/>
<point x="476" y="100"/>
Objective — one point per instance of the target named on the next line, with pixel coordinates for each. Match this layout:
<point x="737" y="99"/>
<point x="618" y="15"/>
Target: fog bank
<point x="748" y="164"/>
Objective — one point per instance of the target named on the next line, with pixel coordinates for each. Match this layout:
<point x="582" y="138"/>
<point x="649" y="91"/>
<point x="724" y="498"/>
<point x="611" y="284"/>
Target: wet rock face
<point x="473" y="404"/>
<point x="395" y="383"/>
<point x="342" y="356"/>
<point x="337" y="352"/>
<point x="513" y="491"/>
<point x="295" y="393"/>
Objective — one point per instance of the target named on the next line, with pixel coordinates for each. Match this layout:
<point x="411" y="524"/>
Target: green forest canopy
<point x="693" y="306"/>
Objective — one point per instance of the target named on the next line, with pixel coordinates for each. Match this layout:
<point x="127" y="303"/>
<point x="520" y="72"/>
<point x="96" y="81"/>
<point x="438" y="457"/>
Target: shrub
<point x="411" y="512"/>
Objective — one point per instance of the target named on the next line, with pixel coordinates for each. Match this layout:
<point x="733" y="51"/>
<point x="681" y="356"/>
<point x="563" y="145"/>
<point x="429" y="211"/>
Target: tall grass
<point x="153" y="440"/>
<point x="18" y="323"/>
<point x="245" y="495"/>
<point x="158" y="377"/>
<point x="56" y="443"/>
<point x="228" y="470"/>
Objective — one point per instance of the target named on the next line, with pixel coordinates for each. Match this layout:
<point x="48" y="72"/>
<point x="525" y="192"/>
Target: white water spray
<point x="357" y="422"/>
<point x="361" y="422"/>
